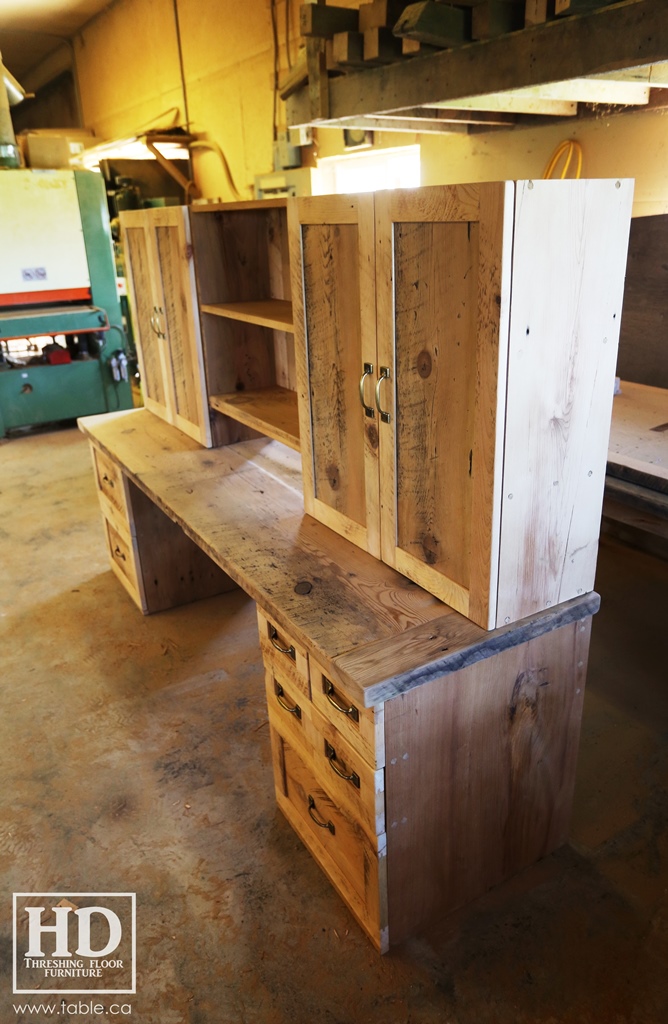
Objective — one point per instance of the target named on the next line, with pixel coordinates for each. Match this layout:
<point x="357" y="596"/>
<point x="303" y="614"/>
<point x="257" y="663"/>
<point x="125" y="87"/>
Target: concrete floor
<point x="134" y="756"/>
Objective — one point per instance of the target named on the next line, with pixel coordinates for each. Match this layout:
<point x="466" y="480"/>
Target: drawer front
<point x="355" y="866"/>
<point x="341" y="769"/>
<point x="123" y="562"/>
<point x="363" y="728"/>
<point x="111" y="487"/>
<point x="281" y="652"/>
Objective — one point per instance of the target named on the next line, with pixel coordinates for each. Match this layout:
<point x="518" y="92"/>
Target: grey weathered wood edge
<point x="493" y="643"/>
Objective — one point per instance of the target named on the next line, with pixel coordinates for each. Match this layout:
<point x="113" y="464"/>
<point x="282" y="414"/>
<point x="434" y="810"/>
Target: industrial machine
<point x="58" y="284"/>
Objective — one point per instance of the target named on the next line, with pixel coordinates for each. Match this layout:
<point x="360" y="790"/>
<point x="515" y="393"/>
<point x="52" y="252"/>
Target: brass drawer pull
<point x="108" y="480"/>
<point x="320" y="824"/>
<point x="273" y="636"/>
<point x="279" y="691"/>
<point x="119" y="553"/>
<point x="330" y="754"/>
<point x="384" y="375"/>
<point x="328" y="690"/>
<point x="368" y="409"/>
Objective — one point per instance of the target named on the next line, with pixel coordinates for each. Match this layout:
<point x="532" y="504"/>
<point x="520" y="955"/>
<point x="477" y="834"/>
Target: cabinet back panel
<point x="241" y="256"/>
<point x="178" y="316"/>
<point x="142" y="290"/>
<point x="334" y="347"/>
<point x="238" y="355"/>
<point x="436" y="297"/>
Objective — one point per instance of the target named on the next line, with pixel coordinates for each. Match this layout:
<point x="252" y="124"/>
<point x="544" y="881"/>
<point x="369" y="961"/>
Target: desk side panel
<point x="480" y="773"/>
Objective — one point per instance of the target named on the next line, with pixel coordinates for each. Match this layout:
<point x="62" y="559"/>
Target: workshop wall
<point x="629" y="145"/>
<point x="129" y="77"/>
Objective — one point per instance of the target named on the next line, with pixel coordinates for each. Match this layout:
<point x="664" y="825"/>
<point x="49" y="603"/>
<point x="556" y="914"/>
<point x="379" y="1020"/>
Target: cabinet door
<point x="333" y="265"/>
<point x="163" y="287"/>
<point x="443" y="304"/>
<point x="174" y="260"/>
<point x="141" y="276"/>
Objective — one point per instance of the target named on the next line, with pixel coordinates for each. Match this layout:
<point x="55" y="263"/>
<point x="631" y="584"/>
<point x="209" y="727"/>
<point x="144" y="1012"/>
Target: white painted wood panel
<point x="564" y="330"/>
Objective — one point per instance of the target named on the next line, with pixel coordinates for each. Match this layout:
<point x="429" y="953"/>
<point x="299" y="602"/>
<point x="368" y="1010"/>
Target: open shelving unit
<point x="243" y="278"/>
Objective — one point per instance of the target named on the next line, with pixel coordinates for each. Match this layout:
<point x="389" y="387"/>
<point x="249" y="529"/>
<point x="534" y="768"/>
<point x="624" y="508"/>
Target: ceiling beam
<point x="613" y="38"/>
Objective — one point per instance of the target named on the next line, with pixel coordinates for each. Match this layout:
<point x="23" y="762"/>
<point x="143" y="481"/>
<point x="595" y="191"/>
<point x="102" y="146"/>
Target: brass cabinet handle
<point x="279" y="691"/>
<point x="155" y="320"/>
<point x="368" y="409"/>
<point x="108" y="480"/>
<point x="330" y="754"/>
<point x="328" y="690"/>
<point x="384" y="375"/>
<point x="119" y="553"/>
<point x="321" y="824"/>
<point x="273" y="636"/>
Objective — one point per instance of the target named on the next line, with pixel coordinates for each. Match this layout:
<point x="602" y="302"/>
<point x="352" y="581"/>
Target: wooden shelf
<point x="276" y="313"/>
<point x="272" y="411"/>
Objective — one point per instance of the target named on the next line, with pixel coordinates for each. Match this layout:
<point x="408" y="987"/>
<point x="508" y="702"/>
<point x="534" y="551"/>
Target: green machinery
<point x="57" y="277"/>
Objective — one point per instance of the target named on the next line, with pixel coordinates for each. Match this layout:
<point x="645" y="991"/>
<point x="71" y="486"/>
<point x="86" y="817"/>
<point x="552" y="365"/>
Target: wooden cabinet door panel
<point x="181" y="322"/>
<point x="333" y="258"/>
<point x="438" y="346"/>
<point x="151" y="348"/>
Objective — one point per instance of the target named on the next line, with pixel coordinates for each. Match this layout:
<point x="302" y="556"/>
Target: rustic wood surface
<point x="355" y="866"/>
<point x="142" y="284"/>
<point x="480" y="775"/>
<point x="333" y="254"/>
<point x="365" y="732"/>
<point x="268" y="313"/>
<point x="243" y="506"/>
<point x="270" y="411"/>
<point x="495" y="241"/>
<point x="566" y="313"/>
<point x="162" y="292"/>
<point x="639" y="431"/>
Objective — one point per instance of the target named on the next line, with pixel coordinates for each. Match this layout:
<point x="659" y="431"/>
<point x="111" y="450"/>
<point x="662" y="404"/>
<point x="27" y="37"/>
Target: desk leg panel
<point x="480" y="774"/>
<point x="173" y="569"/>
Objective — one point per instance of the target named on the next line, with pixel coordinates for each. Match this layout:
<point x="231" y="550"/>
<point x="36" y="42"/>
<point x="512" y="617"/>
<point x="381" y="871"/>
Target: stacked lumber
<point x="386" y="31"/>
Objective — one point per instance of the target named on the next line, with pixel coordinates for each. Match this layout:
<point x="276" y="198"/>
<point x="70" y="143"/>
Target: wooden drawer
<point x="354" y="865"/>
<point x="281" y="652"/>
<point x="363" y="728"/>
<point x="124" y="562"/>
<point x="336" y="764"/>
<point x="111" y="487"/>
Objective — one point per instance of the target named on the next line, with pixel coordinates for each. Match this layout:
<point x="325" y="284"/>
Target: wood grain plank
<point x="270" y="411"/>
<point x="381" y="671"/>
<point x="566" y="313"/>
<point x="336" y="265"/>
<point x="494" y="296"/>
<point x="140" y="275"/>
<point x="435" y="301"/>
<point x="635" y="443"/>
<point x="268" y="313"/>
<point x="480" y="775"/>
<point x="263" y="540"/>
<point x="171" y="228"/>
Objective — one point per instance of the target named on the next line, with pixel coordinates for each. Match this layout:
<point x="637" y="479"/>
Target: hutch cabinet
<point x="456" y="351"/>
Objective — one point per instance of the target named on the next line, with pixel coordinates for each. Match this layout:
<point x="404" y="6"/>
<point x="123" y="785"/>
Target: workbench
<point x="421" y="758"/>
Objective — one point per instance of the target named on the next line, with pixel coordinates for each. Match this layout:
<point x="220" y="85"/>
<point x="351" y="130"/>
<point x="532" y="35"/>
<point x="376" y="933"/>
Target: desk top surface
<point x="375" y="631"/>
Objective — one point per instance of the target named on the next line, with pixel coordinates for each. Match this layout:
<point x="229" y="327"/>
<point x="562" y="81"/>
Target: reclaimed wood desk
<point x="421" y="759"/>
